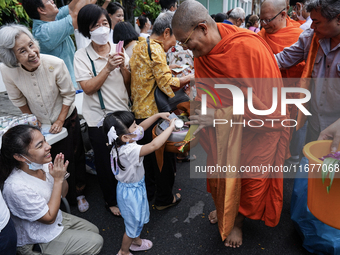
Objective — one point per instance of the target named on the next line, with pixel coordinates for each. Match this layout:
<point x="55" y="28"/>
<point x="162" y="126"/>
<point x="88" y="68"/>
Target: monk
<point x="220" y="52"/>
<point x="279" y="32"/>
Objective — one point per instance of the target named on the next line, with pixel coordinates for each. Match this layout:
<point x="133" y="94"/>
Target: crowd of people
<point x="119" y="70"/>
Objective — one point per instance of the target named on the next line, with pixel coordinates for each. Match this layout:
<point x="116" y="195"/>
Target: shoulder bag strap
<point x="149" y="49"/>
<point x="102" y="105"/>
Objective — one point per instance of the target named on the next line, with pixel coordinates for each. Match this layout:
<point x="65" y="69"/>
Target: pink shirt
<point x="254" y="29"/>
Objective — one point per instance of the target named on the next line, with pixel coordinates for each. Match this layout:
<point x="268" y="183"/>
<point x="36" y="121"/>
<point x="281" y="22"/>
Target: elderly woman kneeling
<point x="41" y="84"/>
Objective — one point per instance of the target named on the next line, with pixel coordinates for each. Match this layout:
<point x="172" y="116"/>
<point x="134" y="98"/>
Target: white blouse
<point x="113" y="90"/>
<point x="129" y="158"/>
<point x="27" y="198"/>
<point x="44" y="90"/>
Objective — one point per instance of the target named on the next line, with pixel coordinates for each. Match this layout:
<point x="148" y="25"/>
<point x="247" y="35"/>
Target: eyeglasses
<point x="267" y="21"/>
<point x="185" y="42"/>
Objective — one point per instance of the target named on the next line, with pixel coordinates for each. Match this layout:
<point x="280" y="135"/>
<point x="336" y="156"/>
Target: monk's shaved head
<point x="189" y="14"/>
<point x="273" y="15"/>
<point x="277" y="5"/>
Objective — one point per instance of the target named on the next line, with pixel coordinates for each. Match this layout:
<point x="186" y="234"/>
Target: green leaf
<point x="328" y="166"/>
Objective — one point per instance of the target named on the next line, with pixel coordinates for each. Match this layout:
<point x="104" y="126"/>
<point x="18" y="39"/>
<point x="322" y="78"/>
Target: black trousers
<point x="158" y="183"/>
<point x="8" y="239"/>
<point x="73" y="148"/>
<point x="106" y="178"/>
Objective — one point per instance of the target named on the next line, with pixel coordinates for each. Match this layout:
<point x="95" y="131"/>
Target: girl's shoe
<point x="146" y="245"/>
<point x="83" y="205"/>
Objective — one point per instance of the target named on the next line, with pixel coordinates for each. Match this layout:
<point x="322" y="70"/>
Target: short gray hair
<point x="237" y="13"/>
<point x="8" y="34"/>
<point x="329" y="8"/>
<point x="163" y="22"/>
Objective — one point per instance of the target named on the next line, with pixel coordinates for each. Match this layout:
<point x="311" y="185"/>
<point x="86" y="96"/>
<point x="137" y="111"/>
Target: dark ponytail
<point x="142" y="20"/>
<point x="15" y="141"/>
<point x="121" y="120"/>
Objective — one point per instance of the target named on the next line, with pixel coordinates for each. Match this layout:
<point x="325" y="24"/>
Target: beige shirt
<point x="113" y="90"/>
<point x="44" y="91"/>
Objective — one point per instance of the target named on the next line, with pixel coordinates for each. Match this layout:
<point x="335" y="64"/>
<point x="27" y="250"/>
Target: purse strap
<point x="149" y="49"/>
<point x="102" y="105"/>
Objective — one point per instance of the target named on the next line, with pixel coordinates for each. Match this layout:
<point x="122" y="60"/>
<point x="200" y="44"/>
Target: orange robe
<point x="301" y="22"/>
<point x="283" y="38"/>
<point x="295" y="23"/>
<point x="243" y="54"/>
<point x="286" y="37"/>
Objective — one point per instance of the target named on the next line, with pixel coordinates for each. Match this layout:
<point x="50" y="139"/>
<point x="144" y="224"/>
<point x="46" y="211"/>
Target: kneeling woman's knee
<point x="96" y="243"/>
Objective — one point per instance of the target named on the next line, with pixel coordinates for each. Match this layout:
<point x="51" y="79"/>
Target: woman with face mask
<point x="41" y="84"/>
<point x="33" y="186"/>
<point x="103" y="73"/>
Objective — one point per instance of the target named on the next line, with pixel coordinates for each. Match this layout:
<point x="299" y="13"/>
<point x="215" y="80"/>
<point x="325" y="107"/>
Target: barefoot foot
<point x="234" y="239"/>
<point x="213" y="217"/>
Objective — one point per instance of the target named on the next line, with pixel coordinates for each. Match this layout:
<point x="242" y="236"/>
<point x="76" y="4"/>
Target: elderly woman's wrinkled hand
<point x="56" y="127"/>
<point x="58" y="168"/>
<point x="115" y="61"/>
<point x="202" y="120"/>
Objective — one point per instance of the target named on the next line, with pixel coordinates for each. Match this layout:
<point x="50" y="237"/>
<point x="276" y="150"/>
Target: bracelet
<point x="66" y="175"/>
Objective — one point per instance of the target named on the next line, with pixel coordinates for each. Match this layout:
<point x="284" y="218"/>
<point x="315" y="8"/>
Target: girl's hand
<point x="58" y="169"/>
<point x="114" y="61"/>
<point x="164" y="115"/>
<point x="172" y="123"/>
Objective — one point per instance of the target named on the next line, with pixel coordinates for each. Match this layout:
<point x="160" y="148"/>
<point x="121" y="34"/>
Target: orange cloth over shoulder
<point x="243" y="54"/>
<point x="295" y="23"/>
<point x="301" y="22"/>
<point x="286" y="37"/>
<point x="283" y="38"/>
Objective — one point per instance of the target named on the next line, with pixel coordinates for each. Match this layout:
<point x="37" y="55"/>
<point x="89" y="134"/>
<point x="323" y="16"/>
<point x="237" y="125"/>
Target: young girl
<point x="127" y="166"/>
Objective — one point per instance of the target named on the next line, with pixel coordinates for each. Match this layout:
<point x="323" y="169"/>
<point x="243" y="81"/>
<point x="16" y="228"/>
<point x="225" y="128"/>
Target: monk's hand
<point x="56" y="127"/>
<point x="332" y="132"/>
<point x="202" y="120"/>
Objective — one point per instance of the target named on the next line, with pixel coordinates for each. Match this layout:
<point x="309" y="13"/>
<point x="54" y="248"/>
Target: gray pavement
<point x="185" y="229"/>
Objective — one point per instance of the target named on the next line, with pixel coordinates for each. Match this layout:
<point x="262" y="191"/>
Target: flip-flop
<point x="82" y="206"/>
<point x="146" y="245"/>
<point x="162" y="207"/>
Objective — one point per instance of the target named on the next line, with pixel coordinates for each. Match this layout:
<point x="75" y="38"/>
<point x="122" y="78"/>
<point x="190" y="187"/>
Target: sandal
<point x="162" y="207"/>
<point x="146" y="245"/>
<point x="186" y="159"/>
<point x="82" y="206"/>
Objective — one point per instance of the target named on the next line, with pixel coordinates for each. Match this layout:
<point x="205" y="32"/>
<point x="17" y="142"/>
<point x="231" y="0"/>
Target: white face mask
<point x="33" y="166"/>
<point x="100" y="35"/>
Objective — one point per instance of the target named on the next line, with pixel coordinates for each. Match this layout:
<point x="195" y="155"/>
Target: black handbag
<point x="163" y="102"/>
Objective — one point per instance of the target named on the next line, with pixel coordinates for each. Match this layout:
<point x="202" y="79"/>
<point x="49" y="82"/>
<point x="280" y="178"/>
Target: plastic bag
<point x="317" y="237"/>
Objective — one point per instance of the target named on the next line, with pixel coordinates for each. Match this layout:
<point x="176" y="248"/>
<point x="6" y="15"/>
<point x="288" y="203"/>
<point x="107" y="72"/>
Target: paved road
<point x="185" y="229"/>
